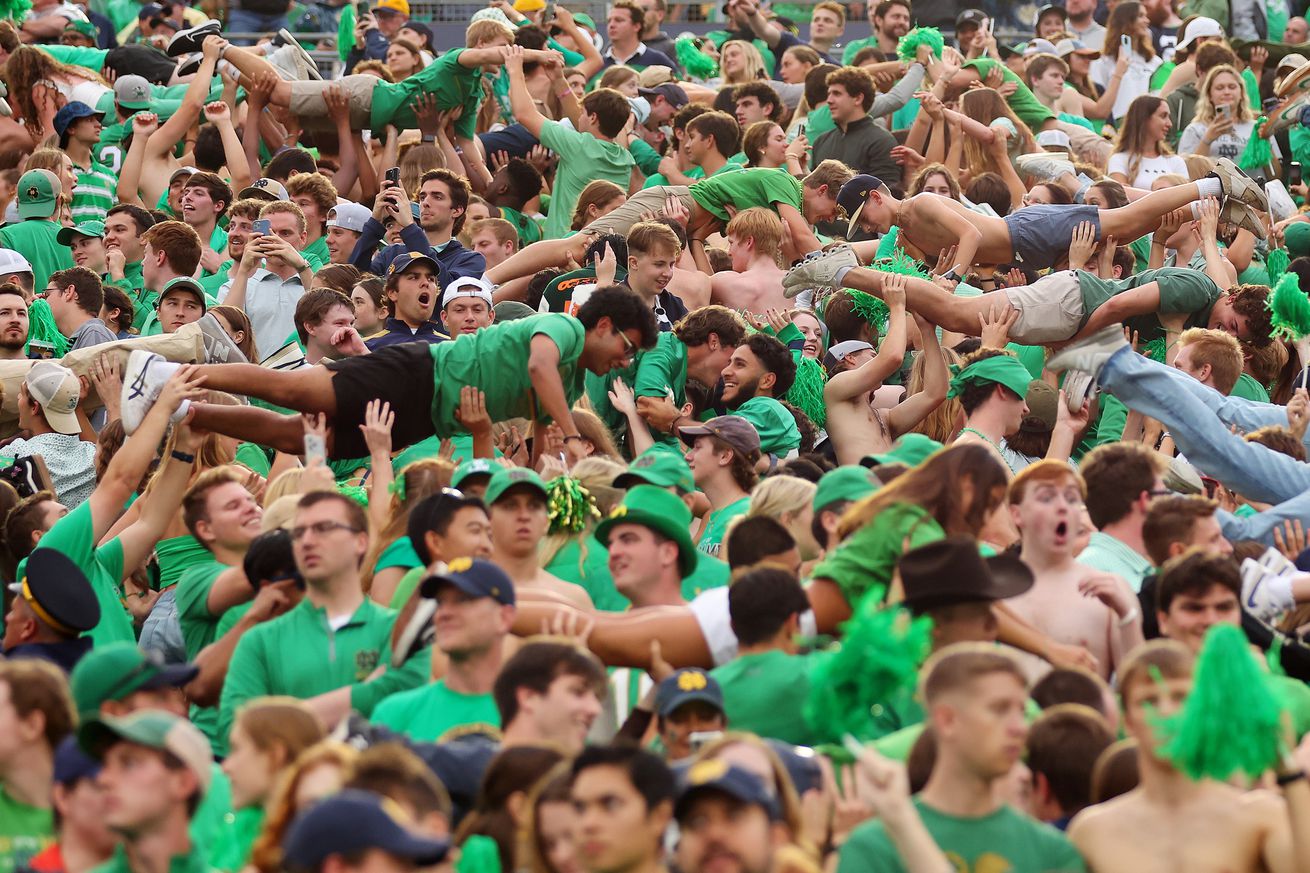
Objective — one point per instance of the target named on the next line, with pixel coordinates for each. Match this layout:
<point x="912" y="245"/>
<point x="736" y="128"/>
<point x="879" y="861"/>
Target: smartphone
<point x="393" y="176"/>
<point x="315" y="447"/>
<point x="987" y="27"/>
<point x="1126" y="43"/>
<point x="699" y="739"/>
<point x="1294" y="174"/>
<point x="1225" y="111"/>
<point x="800" y="129"/>
<point x="262" y="227"/>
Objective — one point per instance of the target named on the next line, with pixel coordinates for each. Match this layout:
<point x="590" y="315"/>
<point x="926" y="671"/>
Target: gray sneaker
<point x="1079" y="387"/>
<point x="143" y="379"/>
<point x="1090" y="354"/>
<point x="1240" y="186"/>
<point x="219" y="347"/>
<point x="819" y="270"/>
<point x="1238" y="214"/>
<point x="1044" y="166"/>
<point x="308" y="67"/>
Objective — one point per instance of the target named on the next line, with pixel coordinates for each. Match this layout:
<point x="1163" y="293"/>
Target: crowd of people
<point x="584" y="449"/>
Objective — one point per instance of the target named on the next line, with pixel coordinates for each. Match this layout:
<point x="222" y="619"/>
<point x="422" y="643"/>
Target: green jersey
<point x="454" y="85"/>
<point x="868" y="556"/>
<point x="662" y="372"/>
<point x="428" y="714"/>
<point x="25" y="831"/>
<point x="1181" y="291"/>
<point x="709" y="573"/>
<point x="36" y="239"/>
<point x="495" y="359"/>
<point x="742" y="189"/>
<point x="765" y="694"/>
<point x="94" y="192"/>
<point x="716" y="525"/>
<point x="855" y="46"/>
<point x="1004" y="840"/>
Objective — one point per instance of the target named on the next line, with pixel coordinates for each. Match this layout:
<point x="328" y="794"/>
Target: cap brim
<point x="692" y="697"/>
<point x="262" y="193"/>
<point x="854" y="223"/>
<point x="170" y="676"/>
<point x="695" y="430"/>
<point x="37" y="210"/>
<point x="431" y="585"/>
<point x="631" y="479"/>
<point x="694" y="791"/>
<point x="134" y="105"/>
<point x="63" y="422"/>
<point x="424" y="851"/>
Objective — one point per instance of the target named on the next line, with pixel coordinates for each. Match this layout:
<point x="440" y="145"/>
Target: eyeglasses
<point x="629" y="347"/>
<point x="320" y="528"/>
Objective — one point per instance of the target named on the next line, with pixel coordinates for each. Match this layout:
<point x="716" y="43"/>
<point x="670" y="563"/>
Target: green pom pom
<point x="478" y="854"/>
<point x="1258" y="153"/>
<point x="1232" y="720"/>
<point x="569" y="505"/>
<point x="357" y="493"/>
<point x="806" y="391"/>
<point x="693" y="61"/>
<point x="1289" y="309"/>
<point x="887" y="245"/>
<point x="1156" y="349"/>
<point x="908" y="47"/>
<point x="41" y="328"/>
<point x="871" y="309"/>
<point x="880" y="652"/>
<point x="14" y="10"/>
<point x="1276" y="263"/>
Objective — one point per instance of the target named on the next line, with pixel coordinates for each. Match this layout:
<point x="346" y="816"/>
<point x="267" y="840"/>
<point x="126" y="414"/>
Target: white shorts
<point x="1050" y="309"/>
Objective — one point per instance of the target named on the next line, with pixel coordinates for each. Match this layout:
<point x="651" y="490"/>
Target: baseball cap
<point x="510" y="477"/>
<point x="1054" y="139"/>
<point x="38" y="195"/>
<point x="732" y="429"/>
<point x="114" y="670"/>
<point x="472" y="576"/>
<point x="1049" y="8"/>
<point x="467" y="286"/>
<point x="70" y="112"/>
<point x="1292" y="60"/>
<point x="854" y="194"/>
<point x="56" y="388"/>
<point x="77" y="25"/>
<point x="154" y="729"/>
<point x="659" y="467"/>
<point x="181" y="171"/>
<point x="1042" y="401"/>
<point x="400" y="7"/>
<point x="1066" y="47"/>
<point x="423" y="28"/>
<point x="268" y="189"/>
<point x="669" y="91"/>
<point x="72" y="765"/>
<point x="1039" y="46"/>
<point x="652" y="76"/>
<point x="184" y="283"/>
<point x="970" y="18"/>
<point x="714" y="775"/>
<point x="150" y="10"/>
<point x="12" y="262"/>
<point x="405" y="260"/>
<point x="684" y="686"/>
<point x="351" y="216"/>
<point x="351" y="822"/>
<point x="529" y="5"/>
<point x="911" y="450"/>
<point x="473" y="467"/>
<point x="86" y="228"/>
<point x="838" y="352"/>
<point x="512" y="310"/>
<point x="1199" y="28"/>
<point x="845" y="483"/>
<point x="132" y="92"/>
<point x="640" y="107"/>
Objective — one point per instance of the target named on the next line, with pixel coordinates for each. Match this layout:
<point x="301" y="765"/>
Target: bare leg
<point x="252" y="66"/>
<point x="285" y="433"/>
<point x="958" y="314"/>
<point x="306" y="390"/>
<point x="1143" y="216"/>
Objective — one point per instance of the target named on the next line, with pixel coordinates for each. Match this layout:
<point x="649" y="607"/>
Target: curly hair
<point x="27" y="66"/>
<point x="1249" y="301"/>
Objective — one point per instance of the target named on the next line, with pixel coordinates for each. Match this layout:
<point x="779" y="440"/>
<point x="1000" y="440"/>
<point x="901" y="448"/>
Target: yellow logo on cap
<point x="619" y="511"/>
<point x="459" y="565"/>
<point x="707" y="771"/>
<point x="692" y="682"/>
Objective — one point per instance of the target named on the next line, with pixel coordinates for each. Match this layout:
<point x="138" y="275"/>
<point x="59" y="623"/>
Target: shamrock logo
<point x="692" y="680"/>
<point x="33" y="192"/>
<point x="459" y="565"/>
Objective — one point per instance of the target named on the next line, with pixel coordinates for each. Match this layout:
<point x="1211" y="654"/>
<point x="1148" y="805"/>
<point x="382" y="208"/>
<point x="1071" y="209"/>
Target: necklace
<point x="985" y="437"/>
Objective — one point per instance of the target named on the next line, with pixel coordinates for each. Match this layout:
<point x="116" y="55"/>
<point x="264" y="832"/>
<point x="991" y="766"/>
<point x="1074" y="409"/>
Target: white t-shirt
<point x="711" y="611"/>
<point x="1230" y="145"/>
<point x="1148" y="169"/>
<point x="1136" y="82"/>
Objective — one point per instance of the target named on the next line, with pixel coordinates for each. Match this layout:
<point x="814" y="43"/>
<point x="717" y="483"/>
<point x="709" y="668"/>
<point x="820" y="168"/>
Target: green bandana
<point x="1001" y="369"/>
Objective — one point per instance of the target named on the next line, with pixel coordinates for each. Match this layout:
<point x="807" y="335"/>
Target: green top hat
<point x="660" y="510"/>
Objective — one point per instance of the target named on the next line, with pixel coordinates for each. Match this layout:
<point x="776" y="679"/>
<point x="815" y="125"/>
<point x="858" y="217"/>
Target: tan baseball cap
<point x="57" y="389"/>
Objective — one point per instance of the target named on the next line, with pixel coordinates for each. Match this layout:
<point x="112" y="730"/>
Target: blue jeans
<point x="244" y="21"/>
<point x="162" y="631"/>
<point x="1169" y="396"/>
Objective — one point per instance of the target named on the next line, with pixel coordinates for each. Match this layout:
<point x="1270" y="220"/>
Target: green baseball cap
<point x="185" y="283"/>
<point x="87" y="228"/>
<point x="911" y="450"/>
<point x="85" y="28"/>
<point x="1296" y="236"/>
<point x="115" y="670"/>
<point x="38" y="194"/>
<point x="509" y="477"/>
<point x="660" y="510"/>
<point x="473" y="467"/>
<point x="846" y="483"/>
<point x="658" y="466"/>
<point x="154" y="729"/>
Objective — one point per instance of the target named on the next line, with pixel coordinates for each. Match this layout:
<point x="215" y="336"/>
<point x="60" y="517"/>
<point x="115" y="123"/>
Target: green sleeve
<point x="564" y="331"/>
<point x="415" y="672"/>
<point x="399" y="553"/>
<point x="247" y="677"/>
<point x="1114" y="416"/>
<point x="73" y="535"/>
<point x="868" y="850"/>
<point x="193" y="591"/>
<point x="790" y="334"/>
<point x="1252" y="89"/>
<point x="657" y="373"/>
<point x="648" y="160"/>
<point x="571" y="58"/>
<point x="252" y="457"/>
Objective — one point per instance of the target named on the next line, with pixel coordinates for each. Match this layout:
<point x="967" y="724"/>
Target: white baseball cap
<point x="349" y="215"/>
<point x="1054" y="138"/>
<point x="842" y="350"/>
<point x="1198" y="28"/>
<point x="56" y="388"/>
<point x="12" y="262"/>
<point x="467" y="286"/>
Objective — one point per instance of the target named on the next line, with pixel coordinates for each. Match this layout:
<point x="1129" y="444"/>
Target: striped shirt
<point x="94" y="193"/>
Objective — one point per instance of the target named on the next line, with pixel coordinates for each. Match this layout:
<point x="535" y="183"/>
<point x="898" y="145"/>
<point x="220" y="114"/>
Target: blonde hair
<point x="280" y="206"/>
<point x="1220" y="350"/>
<point x="1205" y="110"/>
<point x="486" y="30"/>
<point x="761" y="225"/>
<point x="754" y="61"/>
<point x="986" y="105"/>
<point x="783" y="789"/>
<point x="777" y="496"/>
<point x="418" y="480"/>
<point x="266" y="853"/>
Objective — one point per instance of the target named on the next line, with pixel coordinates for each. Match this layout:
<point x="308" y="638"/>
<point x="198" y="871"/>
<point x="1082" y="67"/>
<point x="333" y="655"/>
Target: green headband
<point x="1001" y="369"/>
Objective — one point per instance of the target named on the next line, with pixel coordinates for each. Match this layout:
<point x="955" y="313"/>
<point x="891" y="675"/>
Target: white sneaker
<point x="143" y="379"/>
<point x="1265" y="595"/>
<point x="1044" y="166"/>
<point x="1079" y="387"/>
<point x="1240" y="186"/>
<point x="1090" y="355"/>
<point x="1277" y="563"/>
<point x="819" y="270"/>
<point x="219" y="347"/>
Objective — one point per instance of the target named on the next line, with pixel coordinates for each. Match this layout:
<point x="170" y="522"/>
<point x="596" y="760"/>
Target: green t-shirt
<point x="1181" y="290"/>
<point x="589" y="159"/>
<point x="503" y="350"/>
<point x="661" y="371"/>
<point x="454" y="85"/>
<point x="231" y="852"/>
<point x="716" y="525"/>
<point x="765" y="694"/>
<point x="36" y="239"/>
<point x="868" y="556"/>
<point x="431" y="447"/>
<point x="199" y="629"/>
<point x="1005" y="840"/>
<point x="426" y="714"/>
<point x="742" y="189"/>
<point x="529" y="228"/>
<point x="855" y="46"/>
<point x="818" y="122"/>
<point x="78" y="56"/>
<point x="776" y="426"/>
<point x="399" y="553"/>
<point x="317" y="253"/>
<point x="1248" y="388"/>
<point x="25" y="831"/>
<point x="1023" y="101"/>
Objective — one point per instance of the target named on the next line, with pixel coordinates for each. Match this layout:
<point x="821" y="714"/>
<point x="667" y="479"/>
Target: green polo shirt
<point x="1109" y="555"/>
<point x="199" y="629"/>
<point x="765" y="694"/>
<point x="300" y="654"/>
<point x="426" y="714"/>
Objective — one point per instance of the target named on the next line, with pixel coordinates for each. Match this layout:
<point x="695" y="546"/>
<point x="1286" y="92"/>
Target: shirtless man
<point x="516" y="500"/>
<point x="991" y="389"/>
<point x="1070" y="601"/>
<point x="1169" y="822"/>
<point x="755" y="281"/>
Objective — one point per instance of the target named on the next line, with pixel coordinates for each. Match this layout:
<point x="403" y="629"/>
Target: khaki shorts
<point x="307" y="100"/>
<point x="621" y="220"/>
<point x="1050" y="309"/>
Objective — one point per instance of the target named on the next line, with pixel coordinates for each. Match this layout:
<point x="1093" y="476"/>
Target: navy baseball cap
<point x="684" y="686"/>
<point x="72" y="765"/>
<point x="717" y="776"/>
<point x="355" y="821"/>
<point x="405" y="260"/>
<point x="70" y="112"/>
<point x="854" y="194"/>
<point x="473" y="576"/>
<point x="670" y="91"/>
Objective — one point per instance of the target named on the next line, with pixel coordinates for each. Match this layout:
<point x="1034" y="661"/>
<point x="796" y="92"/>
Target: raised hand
<point x="472" y="412"/>
<point x="378" y="420"/>
<point x="1081" y="245"/>
<point x="218" y="111"/>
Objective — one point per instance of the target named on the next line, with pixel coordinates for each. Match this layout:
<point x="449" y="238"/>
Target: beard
<point x="745" y="391"/>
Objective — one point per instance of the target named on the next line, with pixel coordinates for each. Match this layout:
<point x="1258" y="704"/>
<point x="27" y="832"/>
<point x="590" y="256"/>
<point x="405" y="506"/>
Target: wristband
<point x="1288" y="778"/>
<point x="574" y="436"/>
<point x="1130" y="617"/>
<point x="183" y="457"/>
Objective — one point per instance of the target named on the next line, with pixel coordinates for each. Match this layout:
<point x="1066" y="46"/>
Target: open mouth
<point x="1062" y="530"/>
<point x="425" y="300"/>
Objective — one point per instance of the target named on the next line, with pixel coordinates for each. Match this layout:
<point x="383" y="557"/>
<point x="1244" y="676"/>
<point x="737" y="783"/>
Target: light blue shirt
<point x="1110" y="555"/>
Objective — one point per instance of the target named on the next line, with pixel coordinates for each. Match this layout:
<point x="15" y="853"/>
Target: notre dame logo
<point x="692" y="681"/>
<point x="459" y="565"/>
<point x="33" y="192"/>
<point x="365" y="663"/>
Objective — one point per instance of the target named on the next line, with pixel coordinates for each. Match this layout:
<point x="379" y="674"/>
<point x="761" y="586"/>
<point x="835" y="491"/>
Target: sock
<point x="1195" y="209"/>
<point x="1209" y="187"/>
<point x="841" y="274"/>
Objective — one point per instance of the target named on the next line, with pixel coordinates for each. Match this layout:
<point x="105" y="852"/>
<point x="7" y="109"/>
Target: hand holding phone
<point x="393" y="176"/>
<point x="262" y="227"/>
<point x="1126" y="44"/>
<point x="1294" y="174"/>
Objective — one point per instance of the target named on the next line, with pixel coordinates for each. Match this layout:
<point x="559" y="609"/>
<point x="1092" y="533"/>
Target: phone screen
<point x="1294" y="174"/>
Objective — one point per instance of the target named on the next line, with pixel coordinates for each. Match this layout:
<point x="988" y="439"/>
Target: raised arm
<point x="853" y="384"/>
<point x="219" y="114"/>
<point x="543" y="370"/>
<point x="521" y="103"/>
<point x="903" y="417"/>
<point x="129" y="179"/>
<point x="592" y="61"/>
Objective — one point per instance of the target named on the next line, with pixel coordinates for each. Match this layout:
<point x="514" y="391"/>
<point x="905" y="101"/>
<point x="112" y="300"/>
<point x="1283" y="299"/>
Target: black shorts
<point x="141" y="60"/>
<point x="399" y="374"/>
